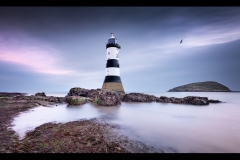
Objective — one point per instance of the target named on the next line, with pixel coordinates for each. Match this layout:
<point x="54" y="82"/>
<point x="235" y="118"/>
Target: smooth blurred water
<point x="213" y="128"/>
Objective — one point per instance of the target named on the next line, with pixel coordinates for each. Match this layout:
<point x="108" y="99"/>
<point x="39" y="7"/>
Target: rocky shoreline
<point x="78" y="96"/>
<point x="84" y="136"/>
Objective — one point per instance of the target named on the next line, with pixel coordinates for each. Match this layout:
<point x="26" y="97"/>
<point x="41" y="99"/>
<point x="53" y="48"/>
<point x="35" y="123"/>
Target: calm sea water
<point x="214" y="128"/>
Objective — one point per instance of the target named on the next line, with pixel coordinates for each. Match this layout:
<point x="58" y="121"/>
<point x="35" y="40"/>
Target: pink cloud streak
<point x="43" y="60"/>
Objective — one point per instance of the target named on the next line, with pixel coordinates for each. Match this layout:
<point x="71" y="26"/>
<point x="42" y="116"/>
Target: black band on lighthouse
<point x="112" y="79"/>
<point x="112" y="63"/>
<point x="113" y="45"/>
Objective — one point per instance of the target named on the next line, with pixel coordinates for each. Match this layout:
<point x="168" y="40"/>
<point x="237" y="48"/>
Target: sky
<point x="53" y="49"/>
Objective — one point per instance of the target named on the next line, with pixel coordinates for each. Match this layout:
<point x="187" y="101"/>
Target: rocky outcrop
<point x="105" y="97"/>
<point x="138" y="97"/>
<point x="208" y="86"/>
<point x="40" y="94"/>
<point x="101" y="97"/>
<point x="194" y="100"/>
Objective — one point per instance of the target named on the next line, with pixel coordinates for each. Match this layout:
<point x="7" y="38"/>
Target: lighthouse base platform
<point x="115" y="86"/>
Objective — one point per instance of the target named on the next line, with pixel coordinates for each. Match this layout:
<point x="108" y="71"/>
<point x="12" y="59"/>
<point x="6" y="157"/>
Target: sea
<point x="177" y="128"/>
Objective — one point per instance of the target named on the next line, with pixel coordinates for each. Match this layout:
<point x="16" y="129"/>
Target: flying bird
<point x="181" y="41"/>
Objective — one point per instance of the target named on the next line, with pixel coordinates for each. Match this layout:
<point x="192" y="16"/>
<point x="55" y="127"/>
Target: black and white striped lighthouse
<point x="112" y="75"/>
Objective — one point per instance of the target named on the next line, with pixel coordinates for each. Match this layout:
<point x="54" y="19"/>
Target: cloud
<point x="210" y="35"/>
<point x="28" y="51"/>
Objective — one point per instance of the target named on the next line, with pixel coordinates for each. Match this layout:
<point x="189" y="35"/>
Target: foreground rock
<point x="85" y="136"/>
<point x="208" y="86"/>
<point x="101" y="97"/>
<point x="9" y="108"/>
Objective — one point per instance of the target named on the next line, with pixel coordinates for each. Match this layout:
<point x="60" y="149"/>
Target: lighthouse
<point x="112" y="79"/>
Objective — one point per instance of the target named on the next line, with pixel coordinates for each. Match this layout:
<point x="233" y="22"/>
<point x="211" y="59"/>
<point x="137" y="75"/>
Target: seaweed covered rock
<point x="138" y="97"/>
<point x="76" y="100"/>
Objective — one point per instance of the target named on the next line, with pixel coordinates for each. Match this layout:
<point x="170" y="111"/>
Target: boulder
<point x="107" y="98"/>
<point x="40" y="94"/>
<point x="77" y="91"/>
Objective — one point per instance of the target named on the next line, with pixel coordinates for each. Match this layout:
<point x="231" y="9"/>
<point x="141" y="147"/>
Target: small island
<point x="208" y="86"/>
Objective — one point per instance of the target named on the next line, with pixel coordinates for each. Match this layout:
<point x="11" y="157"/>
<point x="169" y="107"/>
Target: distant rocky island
<point x="208" y="86"/>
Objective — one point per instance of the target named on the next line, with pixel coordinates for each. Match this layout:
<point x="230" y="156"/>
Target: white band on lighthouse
<point x="112" y="71"/>
<point x="112" y="53"/>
